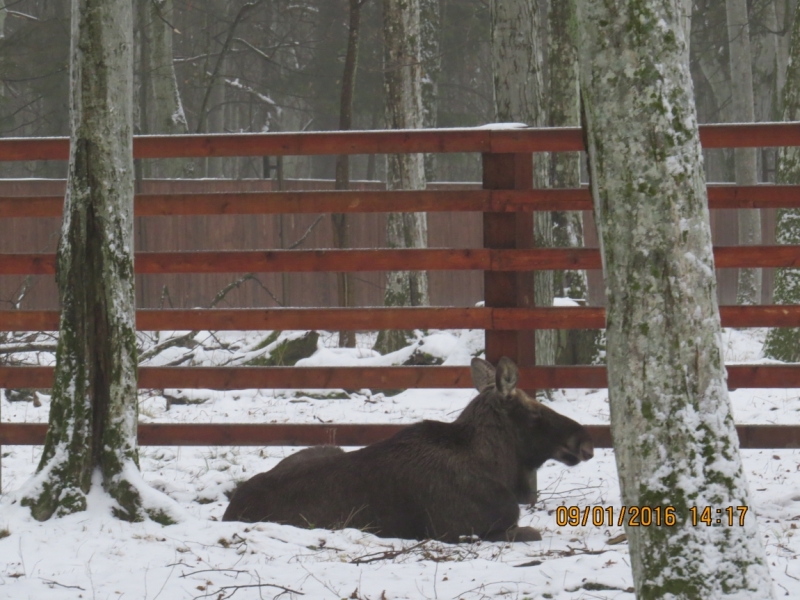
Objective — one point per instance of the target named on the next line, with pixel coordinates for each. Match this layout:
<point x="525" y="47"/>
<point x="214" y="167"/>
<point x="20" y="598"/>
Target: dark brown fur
<point x="306" y="455"/>
<point x="430" y="480"/>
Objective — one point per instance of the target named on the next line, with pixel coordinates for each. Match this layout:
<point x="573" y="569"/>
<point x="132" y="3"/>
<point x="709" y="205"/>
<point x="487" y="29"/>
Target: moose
<point x="431" y="480"/>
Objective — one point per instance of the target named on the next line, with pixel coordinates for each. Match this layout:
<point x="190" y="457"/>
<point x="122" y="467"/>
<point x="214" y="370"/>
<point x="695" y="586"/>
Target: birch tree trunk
<point x="166" y="110"/>
<point x="91" y="438"/>
<point x="403" y="85"/>
<point x="784" y="343"/>
<point x="742" y="104"/>
<point x="518" y="96"/>
<point x="671" y="421"/>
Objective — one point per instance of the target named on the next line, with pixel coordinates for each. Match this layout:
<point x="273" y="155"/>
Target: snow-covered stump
<point x="671" y="421"/>
<point x="93" y="415"/>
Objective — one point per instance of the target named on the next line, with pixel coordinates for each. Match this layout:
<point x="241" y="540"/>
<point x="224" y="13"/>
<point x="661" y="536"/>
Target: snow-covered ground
<point x="92" y="555"/>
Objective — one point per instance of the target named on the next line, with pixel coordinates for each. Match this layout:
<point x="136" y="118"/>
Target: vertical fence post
<point x="508" y="289"/>
<point x="508" y="230"/>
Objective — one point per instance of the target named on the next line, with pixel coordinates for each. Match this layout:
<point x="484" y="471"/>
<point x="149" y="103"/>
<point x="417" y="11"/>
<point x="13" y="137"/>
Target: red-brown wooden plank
<point x="332" y="319"/>
<point x="238" y="378"/>
<point x="255" y="203"/>
<point x="250" y="203"/>
<point x="760" y="316"/>
<point x="365" y="319"/>
<point x="741" y="135"/>
<point x="29" y="320"/>
<point x="753" y="196"/>
<point x="232" y="378"/>
<point x="31" y="206"/>
<point x="342" y="434"/>
<point x="275" y="261"/>
<point x="726" y="257"/>
<point x="13" y="149"/>
<point x="750" y="135"/>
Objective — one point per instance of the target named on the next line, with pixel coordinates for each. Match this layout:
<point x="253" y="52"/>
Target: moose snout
<point x="577" y="449"/>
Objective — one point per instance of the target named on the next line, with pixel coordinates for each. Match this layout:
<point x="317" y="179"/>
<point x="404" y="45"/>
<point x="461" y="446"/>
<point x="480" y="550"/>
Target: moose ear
<point x="507" y="376"/>
<point x="482" y="373"/>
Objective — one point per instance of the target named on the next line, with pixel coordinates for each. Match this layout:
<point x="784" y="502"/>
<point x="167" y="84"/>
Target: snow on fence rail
<point x="507" y="259"/>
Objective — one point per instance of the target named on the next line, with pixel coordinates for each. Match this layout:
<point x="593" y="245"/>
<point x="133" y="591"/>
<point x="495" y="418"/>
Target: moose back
<point x="430" y="480"/>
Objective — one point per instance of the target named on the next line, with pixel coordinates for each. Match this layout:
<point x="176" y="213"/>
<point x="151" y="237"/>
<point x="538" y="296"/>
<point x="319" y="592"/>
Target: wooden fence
<point x="191" y="233"/>
<point x="507" y="259"/>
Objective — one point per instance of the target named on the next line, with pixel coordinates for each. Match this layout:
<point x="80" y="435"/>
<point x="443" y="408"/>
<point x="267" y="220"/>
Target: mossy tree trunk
<point x="93" y="415"/>
<point x="671" y="421"/>
<point x="403" y="86"/>
<point x="784" y="343"/>
<point x="518" y="97"/>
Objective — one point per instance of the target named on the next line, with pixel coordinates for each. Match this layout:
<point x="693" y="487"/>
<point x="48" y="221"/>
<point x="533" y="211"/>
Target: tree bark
<point x="166" y="110"/>
<point x="674" y="437"/>
<point x="211" y="117"/>
<point x="430" y="56"/>
<point x="577" y="346"/>
<point x="784" y="343"/>
<point x="403" y="86"/>
<point x="91" y="438"/>
<point x="742" y="105"/>
<point x="709" y="54"/>
<point x="518" y="94"/>
<point x="341" y="238"/>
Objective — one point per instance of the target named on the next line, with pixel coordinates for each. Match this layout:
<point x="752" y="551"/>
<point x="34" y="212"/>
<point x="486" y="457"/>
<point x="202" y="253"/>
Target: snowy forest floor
<point x="92" y="555"/>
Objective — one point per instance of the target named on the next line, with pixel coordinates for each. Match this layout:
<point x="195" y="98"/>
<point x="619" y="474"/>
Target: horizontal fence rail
<point x="485" y="140"/>
<point x="364" y="319"/>
<point x="235" y="434"/>
<point x="472" y="259"/>
<point x="387" y="378"/>
<point x="267" y="203"/>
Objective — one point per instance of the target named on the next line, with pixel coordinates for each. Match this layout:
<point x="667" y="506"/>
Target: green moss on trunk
<point x="93" y="415"/>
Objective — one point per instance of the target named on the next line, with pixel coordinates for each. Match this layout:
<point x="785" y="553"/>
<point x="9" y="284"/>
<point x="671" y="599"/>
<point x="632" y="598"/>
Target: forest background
<point x="217" y="66"/>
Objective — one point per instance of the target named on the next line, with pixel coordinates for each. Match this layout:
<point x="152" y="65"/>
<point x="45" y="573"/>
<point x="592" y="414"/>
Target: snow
<point x="495" y="126"/>
<point x="93" y="555"/>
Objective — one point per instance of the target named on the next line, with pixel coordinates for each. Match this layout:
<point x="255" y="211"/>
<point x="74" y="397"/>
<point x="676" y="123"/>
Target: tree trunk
<point x="565" y="167"/>
<point x="166" y="111"/>
<point x="341" y="238"/>
<point x="212" y="112"/>
<point x="403" y="85"/>
<point x="518" y="94"/>
<point x="430" y="34"/>
<point x="674" y="437"/>
<point x="55" y="103"/>
<point x="709" y="53"/>
<point x="742" y="104"/>
<point x="784" y="343"/>
<point x="575" y="346"/>
<point x="91" y="438"/>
